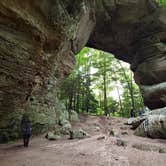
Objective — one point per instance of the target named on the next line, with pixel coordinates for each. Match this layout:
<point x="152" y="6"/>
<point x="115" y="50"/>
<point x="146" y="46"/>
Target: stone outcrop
<point x="78" y="134"/>
<point x="135" y="122"/>
<point x="51" y="136"/>
<point x="38" y="41"/>
<point x="135" y="32"/>
<point x="154" y="126"/>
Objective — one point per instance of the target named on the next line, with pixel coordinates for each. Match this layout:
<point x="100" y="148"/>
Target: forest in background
<point x="101" y="85"/>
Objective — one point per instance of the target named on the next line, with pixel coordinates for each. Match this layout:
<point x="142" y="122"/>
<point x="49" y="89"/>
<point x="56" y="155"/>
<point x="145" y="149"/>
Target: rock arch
<point x="38" y="40"/>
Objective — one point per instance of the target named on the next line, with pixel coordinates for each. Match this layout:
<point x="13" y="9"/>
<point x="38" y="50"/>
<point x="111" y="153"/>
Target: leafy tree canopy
<point x="101" y="84"/>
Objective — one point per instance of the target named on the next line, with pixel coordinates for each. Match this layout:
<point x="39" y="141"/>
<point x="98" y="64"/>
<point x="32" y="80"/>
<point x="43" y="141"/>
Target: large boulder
<point x="161" y="111"/>
<point x="78" y="134"/>
<point x="52" y="136"/>
<point x="135" y="122"/>
<point x="74" y="116"/>
<point x="154" y="126"/>
<point x="65" y="127"/>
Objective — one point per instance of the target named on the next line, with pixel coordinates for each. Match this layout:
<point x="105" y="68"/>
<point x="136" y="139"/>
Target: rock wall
<point x="38" y="41"/>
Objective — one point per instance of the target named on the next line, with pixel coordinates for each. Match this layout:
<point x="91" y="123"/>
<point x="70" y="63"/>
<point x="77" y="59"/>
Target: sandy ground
<point x="98" y="150"/>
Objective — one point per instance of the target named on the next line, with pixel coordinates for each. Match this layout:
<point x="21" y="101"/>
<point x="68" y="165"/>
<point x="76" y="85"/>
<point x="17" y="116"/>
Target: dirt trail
<point x="98" y="150"/>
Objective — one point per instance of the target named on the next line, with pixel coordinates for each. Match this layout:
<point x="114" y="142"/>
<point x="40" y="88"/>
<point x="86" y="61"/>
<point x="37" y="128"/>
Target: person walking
<point x="132" y="112"/>
<point x="26" y="130"/>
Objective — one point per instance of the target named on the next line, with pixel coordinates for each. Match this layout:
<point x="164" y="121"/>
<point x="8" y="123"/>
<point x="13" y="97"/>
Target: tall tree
<point x="129" y="83"/>
<point x="97" y="75"/>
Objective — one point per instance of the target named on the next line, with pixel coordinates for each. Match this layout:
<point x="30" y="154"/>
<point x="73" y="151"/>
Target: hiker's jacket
<point x="26" y="126"/>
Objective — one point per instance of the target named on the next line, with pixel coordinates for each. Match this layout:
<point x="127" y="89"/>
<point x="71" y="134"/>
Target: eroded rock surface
<point x="38" y="40"/>
<point x="154" y="126"/>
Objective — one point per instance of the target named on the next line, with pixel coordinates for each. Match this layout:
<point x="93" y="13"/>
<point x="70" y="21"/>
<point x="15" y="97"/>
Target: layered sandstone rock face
<point x="38" y="41"/>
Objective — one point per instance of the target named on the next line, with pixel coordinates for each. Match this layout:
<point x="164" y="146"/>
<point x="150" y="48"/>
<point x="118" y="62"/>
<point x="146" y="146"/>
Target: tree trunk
<point x="129" y="84"/>
<point x="78" y="95"/>
<point x="120" y="102"/>
<point x="105" y="90"/>
<point x="131" y="93"/>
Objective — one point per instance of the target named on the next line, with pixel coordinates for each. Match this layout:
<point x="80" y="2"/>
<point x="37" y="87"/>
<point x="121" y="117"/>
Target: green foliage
<point x="99" y="111"/>
<point x="161" y="2"/>
<point x="96" y="80"/>
<point x="116" y="114"/>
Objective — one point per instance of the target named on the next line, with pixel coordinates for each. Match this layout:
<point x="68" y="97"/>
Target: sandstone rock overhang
<point x="38" y="41"/>
<point x="135" y="32"/>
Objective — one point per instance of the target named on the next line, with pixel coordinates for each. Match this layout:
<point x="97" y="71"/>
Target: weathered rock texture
<point x="38" y="40"/>
<point x="154" y="126"/>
